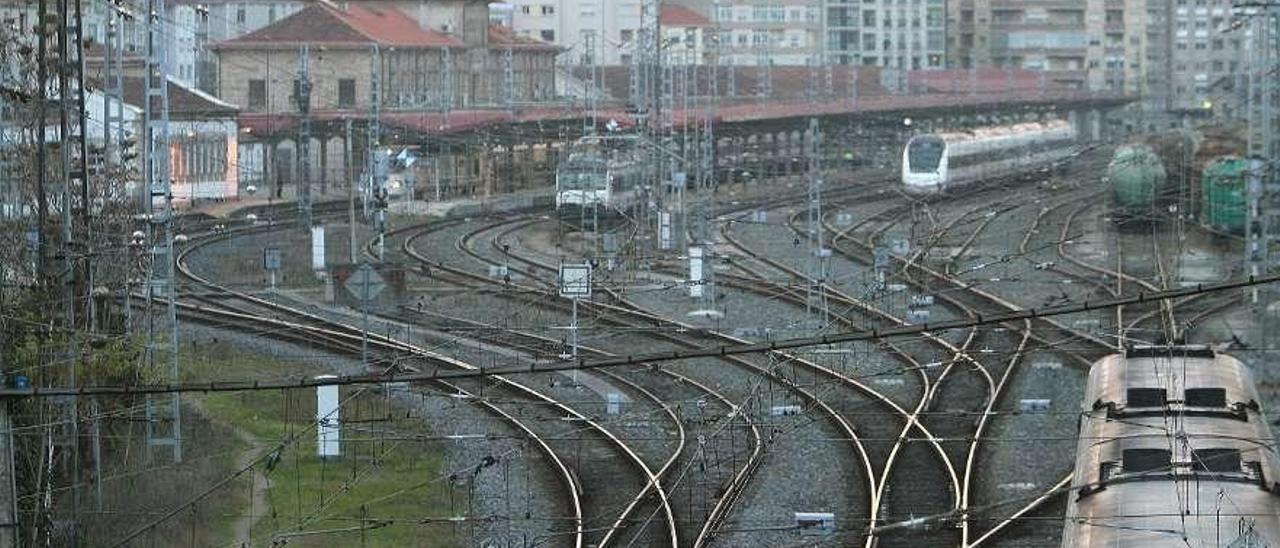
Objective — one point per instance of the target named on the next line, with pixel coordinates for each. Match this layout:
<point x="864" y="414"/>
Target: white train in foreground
<point x="1174" y="451"/>
<point x="936" y="161"/>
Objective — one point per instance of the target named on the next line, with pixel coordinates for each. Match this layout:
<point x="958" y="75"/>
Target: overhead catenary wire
<point x="641" y="359"/>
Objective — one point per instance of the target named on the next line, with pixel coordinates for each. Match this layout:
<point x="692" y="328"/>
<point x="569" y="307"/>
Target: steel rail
<point x="350" y="344"/>
<point x="699" y="351"/>
<point x="656" y="477"/>
<point x="653" y="482"/>
<point x="735" y="411"/>
<point x="629" y="309"/>
<point x="912" y="418"/>
<point x="996" y="389"/>
<point x="573" y="487"/>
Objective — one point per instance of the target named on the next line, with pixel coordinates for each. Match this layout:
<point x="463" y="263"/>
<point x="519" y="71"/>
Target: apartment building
<point x="1178" y="56"/>
<point x="1205" y="59"/>
<point x="754" y="32"/>
<point x="611" y="26"/>
<point x="686" y="35"/>
<point x="887" y="33"/>
<point x="1098" y="45"/>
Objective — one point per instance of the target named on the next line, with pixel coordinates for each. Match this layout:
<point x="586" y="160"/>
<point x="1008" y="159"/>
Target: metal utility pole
<point x="764" y="76"/>
<point x="508" y="80"/>
<point x="446" y="68"/>
<point x="113" y="158"/>
<point x="642" y="63"/>
<point x="376" y="189"/>
<point x="8" y="481"/>
<point x="1263" y="224"/>
<point x="42" y="150"/>
<point x="347" y="160"/>
<point x="302" y="97"/>
<point x="164" y="412"/>
<point x="73" y="248"/>
<point x="645" y="69"/>
<point x="817" y="298"/>
<point x="591" y="94"/>
<point x="665" y="132"/>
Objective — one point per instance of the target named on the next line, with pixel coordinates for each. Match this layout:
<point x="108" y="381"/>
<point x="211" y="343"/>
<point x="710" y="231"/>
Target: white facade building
<point x="755" y="32"/>
<point x="572" y="24"/>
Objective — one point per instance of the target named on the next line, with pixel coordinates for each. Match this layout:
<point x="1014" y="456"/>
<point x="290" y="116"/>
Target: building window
<point x="240" y="14"/>
<point x="347" y="92"/>
<point x="257" y="94"/>
<point x="548" y="35"/>
<point x="548" y="10"/>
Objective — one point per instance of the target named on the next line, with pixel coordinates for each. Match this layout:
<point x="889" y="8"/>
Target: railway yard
<point x="641" y="273"/>
<point x="957" y="437"/>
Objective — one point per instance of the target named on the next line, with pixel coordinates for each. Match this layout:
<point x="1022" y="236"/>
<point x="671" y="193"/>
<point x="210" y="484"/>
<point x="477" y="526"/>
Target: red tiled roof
<point x="982" y="80"/>
<point x="322" y="23"/>
<point x="680" y="16"/>
<point x="262" y="126"/>
<point x="501" y="37"/>
<point x="788" y="83"/>
<point x="185" y="103"/>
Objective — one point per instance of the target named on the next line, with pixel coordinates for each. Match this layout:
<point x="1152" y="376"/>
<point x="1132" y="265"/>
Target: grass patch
<point x="375" y="494"/>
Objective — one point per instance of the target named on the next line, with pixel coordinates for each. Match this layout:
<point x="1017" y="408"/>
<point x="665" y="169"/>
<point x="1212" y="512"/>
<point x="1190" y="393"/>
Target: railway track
<point x="974" y="300"/>
<point x="968" y="299"/>
<point x="1164" y="314"/>
<point x="553" y="411"/>
<point x="938" y="420"/>
<point x="888" y="453"/>
<point x="629" y="318"/>
<point x="936" y="394"/>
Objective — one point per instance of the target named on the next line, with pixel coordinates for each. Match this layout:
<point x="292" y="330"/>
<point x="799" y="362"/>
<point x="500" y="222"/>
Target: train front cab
<point x="924" y="164"/>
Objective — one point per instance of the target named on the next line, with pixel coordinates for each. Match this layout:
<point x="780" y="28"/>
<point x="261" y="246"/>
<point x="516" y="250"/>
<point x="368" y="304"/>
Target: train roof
<point x="1113" y="379"/>
<point x="1173" y="451"/>
<point x="1155" y="515"/>
<point x="996" y="132"/>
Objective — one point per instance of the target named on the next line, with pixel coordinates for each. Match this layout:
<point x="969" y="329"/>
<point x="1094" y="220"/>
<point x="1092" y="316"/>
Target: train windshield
<point x="924" y="153"/>
<point x="582" y="175"/>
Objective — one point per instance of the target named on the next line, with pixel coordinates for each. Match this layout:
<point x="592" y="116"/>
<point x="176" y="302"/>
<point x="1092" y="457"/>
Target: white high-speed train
<point x="599" y="174"/>
<point x="936" y="161"/>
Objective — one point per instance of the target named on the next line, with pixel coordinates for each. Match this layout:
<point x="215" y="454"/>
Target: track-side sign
<point x="881" y="256"/>
<point x="365" y="283"/>
<point x="271" y="258"/>
<point x="575" y="281"/>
